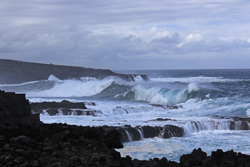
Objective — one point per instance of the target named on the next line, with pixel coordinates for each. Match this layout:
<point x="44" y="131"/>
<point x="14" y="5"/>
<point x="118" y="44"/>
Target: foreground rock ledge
<point x="61" y="145"/>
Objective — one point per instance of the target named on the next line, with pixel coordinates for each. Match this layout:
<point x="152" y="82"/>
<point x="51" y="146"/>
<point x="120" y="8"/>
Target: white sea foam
<point x="200" y="79"/>
<point x="192" y="119"/>
<point x="155" y="95"/>
<point x="203" y="100"/>
<point x="74" y="88"/>
<point x="173" y="148"/>
<point x="138" y="78"/>
<point x="248" y="112"/>
<point x="21" y="84"/>
<point x="87" y="79"/>
<point x="192" y="87"/>
<point x="54" y="78"/>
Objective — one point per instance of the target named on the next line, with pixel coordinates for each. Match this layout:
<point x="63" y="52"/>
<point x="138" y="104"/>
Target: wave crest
<point x="75" y="88"/>
<point x="163" y="95"/>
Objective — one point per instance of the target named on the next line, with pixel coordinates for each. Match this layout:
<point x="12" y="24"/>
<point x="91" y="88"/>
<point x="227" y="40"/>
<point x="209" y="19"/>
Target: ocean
<point x="206" y="102"/>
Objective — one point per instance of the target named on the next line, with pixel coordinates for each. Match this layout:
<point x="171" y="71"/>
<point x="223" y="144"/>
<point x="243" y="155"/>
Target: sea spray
<point x="211" y="106"/>
<point x="248" y="112"/>
<point x="75" y="88"/>
<point x="164" y="96"/>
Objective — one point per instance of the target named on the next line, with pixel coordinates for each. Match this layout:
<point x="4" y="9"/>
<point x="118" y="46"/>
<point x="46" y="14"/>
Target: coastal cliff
<point x="14" y="72"/>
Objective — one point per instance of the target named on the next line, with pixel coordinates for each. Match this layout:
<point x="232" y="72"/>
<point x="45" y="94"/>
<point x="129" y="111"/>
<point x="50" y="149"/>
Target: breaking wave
<point x="162" y="91"/>
<point x="74" y="87"/>
<point x="164" y="95"/>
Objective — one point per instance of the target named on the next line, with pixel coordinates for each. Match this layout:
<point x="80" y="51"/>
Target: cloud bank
<point x="127" y="34"/>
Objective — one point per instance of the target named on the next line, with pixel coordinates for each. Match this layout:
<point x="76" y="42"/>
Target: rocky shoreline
<point x="25" y="141"/>
<point x="59" y="145"/>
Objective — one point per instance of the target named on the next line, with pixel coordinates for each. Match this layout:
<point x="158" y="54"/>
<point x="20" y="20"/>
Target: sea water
<point x="208" y="99"/>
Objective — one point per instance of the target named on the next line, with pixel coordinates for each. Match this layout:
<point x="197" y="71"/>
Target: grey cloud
<point x="108" y="34"/>
<point x="75" y="46"/>
<point x="174" y="39"/>
<point x="125" y="12"/>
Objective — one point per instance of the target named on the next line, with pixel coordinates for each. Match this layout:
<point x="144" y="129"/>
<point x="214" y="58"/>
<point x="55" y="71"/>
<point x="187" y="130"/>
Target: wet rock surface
<point x="64" y="108"/>
<point x="129" y="133"/>
<point x="237" y="123"/>
<point x="63" y="104"/>
<point x="169" y="107"/>
<point x="163" y="119"/>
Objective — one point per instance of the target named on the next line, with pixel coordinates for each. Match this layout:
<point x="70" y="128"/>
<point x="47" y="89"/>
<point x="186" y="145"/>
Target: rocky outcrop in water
<point x="15" y="110"/>
<point x="64" y="108"/>
<point x="237" y="123"/>
<point x="169" y="107"/>
<point x="129" y="133"/>
<point x="13" y="72"/>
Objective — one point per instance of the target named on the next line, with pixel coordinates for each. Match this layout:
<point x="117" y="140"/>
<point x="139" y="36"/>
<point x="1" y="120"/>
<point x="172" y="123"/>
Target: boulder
<point x="15" y="110"/>
<point x="196" y="158"/>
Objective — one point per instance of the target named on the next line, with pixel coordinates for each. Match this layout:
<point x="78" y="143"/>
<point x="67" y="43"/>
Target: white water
<point x="143" y="115"/>
<point x="199" y="79"/>
<point x="74" y="88"/>
<point x="174" y="147"/>
<point x="196" y="116"/>
<point x="248" y="112"/>
<point x="201" y="131"/>
<point x="163" y="96"/>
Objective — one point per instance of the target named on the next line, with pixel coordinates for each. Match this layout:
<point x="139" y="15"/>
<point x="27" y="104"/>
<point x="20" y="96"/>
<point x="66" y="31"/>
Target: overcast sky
<point x="127" y="34"/>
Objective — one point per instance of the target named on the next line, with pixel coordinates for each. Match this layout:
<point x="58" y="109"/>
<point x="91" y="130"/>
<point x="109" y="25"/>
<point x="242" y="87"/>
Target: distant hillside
<point x="13" y="72"/>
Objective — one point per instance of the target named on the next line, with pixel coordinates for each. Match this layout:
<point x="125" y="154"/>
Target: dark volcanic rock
<point x="15" y="110"/>
<point x="59" y="145"/>
<point x="237" y="123"/>
<point x="137" y="133"/>
<point x="163" y="119"/>
<point x="165" y="132"/>
<point x="18" y="72"/>
<point x="194" y="159"/>
<point x="64" y="107"/>
<point x="69" y="146"/>
<point x="62" y="104"/>
<point x="170" y="107"/>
